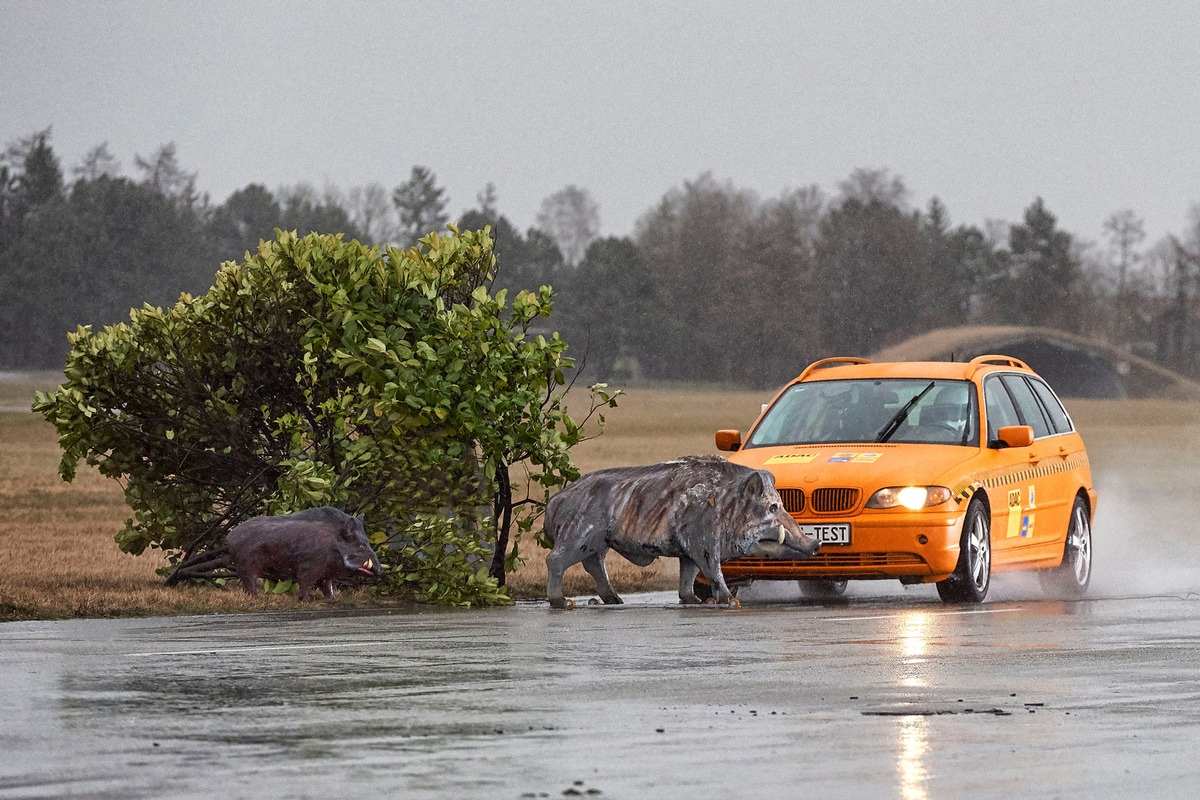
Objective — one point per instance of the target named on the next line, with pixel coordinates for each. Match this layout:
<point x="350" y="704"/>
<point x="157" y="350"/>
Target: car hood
<point x="867" y="466"/>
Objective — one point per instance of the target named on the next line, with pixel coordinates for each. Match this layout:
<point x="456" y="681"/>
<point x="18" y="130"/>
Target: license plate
<point x="829" y="534"/>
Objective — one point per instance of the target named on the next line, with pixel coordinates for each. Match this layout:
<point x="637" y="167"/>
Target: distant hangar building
<point x="1075" y="366"/>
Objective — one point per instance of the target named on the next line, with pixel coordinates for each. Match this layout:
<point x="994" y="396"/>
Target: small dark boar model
<point x="701" y="510"/>
<point x="313" y="547"/>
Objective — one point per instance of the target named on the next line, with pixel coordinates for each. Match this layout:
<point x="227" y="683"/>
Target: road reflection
<point x="910" y="762"/>
<point x="914" y="636"/>
<point x="913" y="734"/>
<point x="912" y="641"/>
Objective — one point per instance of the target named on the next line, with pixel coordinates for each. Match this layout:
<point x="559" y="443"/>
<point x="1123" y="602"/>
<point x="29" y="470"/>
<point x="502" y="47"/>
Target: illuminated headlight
<point x="911" y="497"/>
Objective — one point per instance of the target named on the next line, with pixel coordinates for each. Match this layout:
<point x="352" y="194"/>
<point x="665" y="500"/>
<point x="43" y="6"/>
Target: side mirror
<point x="1013" y="436"/>
<point x="729" y="441"/>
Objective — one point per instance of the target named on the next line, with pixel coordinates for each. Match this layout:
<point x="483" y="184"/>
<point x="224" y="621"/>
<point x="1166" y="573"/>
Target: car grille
<point x="834" y="501"/>
<point x="793" y="500"/>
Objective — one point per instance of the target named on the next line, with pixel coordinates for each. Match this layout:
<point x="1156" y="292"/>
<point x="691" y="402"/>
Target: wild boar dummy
<point x="700" y="509"/>
<point x="314" y="547"/>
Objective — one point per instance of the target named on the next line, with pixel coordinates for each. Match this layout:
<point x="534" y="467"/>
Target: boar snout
<point x="807" y="546"/>
<point x="786" y="541"/>
<point x="366" y="564"/>
<point x="791" y="537"/>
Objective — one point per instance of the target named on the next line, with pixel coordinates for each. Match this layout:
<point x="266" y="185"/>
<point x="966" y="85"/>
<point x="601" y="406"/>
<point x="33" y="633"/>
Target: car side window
<point x="1058" y="415"/>
<point x="1000" y="409"/>
<point x="1027" y="405"/>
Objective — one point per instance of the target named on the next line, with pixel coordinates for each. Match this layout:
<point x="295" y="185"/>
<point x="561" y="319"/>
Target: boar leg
<point x="307" y="581"/>
<point x="249" y="582"/>
<point x="710" y="565"/>
<point x="556" y="564"/>
<point x="687" y="581"/>
<point x="594" y="564"/>
<point x="327" y="587"/>
<point x="721" y="593"/>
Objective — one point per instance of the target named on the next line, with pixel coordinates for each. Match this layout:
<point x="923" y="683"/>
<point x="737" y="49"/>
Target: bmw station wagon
<point x="929" y="472"/>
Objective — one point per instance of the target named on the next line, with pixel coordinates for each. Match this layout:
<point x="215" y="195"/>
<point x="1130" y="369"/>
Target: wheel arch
<point x="979" y="494"/>
<point x="1089" y="501"/>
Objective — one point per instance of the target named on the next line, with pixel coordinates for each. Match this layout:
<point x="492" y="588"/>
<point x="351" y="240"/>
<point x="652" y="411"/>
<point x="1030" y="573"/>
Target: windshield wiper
<point x="888" y="430"/>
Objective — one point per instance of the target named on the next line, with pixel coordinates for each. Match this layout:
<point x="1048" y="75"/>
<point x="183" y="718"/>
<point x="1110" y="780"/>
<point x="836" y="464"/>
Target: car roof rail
<point x="829" y="362"/>
<point x="980" y="362"/>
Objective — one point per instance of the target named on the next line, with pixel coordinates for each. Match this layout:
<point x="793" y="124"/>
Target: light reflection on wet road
<point x="882" y="696"/>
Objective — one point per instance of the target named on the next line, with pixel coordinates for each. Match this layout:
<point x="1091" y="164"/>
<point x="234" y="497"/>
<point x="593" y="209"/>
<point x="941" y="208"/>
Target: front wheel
<point x="1071" y="578"/>
<point x="973" y="574"/>
<point x="818" y="588"/>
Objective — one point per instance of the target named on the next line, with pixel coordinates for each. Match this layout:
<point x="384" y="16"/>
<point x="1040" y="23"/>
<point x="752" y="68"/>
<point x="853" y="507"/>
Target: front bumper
<point x="884" y="543"/>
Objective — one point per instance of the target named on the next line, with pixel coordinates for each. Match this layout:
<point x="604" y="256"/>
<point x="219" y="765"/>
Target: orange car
<point x="928" y="472"/>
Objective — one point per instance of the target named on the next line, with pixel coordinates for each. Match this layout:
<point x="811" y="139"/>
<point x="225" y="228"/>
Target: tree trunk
<point x="503" y="517"/>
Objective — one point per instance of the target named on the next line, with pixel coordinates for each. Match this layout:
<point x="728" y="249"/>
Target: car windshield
<point x="907" y="410"/>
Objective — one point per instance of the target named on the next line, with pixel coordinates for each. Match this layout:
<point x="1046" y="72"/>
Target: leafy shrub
<point x="323" y="372"/>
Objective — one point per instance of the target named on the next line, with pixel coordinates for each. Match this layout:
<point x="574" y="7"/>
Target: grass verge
<point x="58" y="559"/>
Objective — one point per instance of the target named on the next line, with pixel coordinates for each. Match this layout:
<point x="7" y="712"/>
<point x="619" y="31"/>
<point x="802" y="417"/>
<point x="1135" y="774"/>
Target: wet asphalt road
<point x="888" y="695"/>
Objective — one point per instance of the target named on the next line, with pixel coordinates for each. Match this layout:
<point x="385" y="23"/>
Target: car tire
<point x="818" y="588"/>
<point x="973" y="574"/>
<point x="1071" y="578"/>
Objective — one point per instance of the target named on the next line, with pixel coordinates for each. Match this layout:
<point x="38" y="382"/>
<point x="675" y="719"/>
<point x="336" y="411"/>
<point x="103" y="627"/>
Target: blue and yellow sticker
<point x="855" y="458"/>
<point x="1020" y="520"/>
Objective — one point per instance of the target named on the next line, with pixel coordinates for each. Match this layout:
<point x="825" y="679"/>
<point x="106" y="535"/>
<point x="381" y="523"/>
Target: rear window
<point x="1058" y="415"/>
<point x="1027" y="405"/>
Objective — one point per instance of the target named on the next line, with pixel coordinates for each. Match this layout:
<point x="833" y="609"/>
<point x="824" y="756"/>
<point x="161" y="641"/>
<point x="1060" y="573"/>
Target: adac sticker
<point x="791" y="458"/>
<point x="1014" y="514"/>
<point x="857" y="458"/>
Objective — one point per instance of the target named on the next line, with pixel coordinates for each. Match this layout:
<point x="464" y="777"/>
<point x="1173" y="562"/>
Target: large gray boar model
<point x="313" y="547"/>
<point x="701" y="510"/>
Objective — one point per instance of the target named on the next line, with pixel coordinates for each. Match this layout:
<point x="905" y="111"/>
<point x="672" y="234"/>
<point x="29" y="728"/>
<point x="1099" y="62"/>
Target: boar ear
<point x="753" y="484"/>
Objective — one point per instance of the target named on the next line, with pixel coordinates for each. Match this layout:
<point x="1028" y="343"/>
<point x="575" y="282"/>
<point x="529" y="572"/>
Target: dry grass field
<point x="58" y="558"/>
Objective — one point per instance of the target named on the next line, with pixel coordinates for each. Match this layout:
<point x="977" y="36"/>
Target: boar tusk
<point x="368" y="564"/>
<point x="782" y="533"/>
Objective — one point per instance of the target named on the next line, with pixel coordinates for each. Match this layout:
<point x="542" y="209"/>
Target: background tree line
<point x="714" y="284"/>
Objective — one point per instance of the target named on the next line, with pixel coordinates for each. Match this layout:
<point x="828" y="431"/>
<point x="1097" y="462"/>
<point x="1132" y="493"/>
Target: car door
<point x="1063" y="453"/>
<point x="1045" y="505"/>
<point x="1001" y="465"/>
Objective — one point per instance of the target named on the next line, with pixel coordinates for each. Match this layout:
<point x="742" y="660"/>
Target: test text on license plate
<point x="829" y="534"/>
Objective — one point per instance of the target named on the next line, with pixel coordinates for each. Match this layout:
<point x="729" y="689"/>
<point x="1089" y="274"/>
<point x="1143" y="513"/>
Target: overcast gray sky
<point x="1094" y="106"/>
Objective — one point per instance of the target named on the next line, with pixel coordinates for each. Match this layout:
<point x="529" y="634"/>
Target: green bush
<point x="324" y="372"/>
